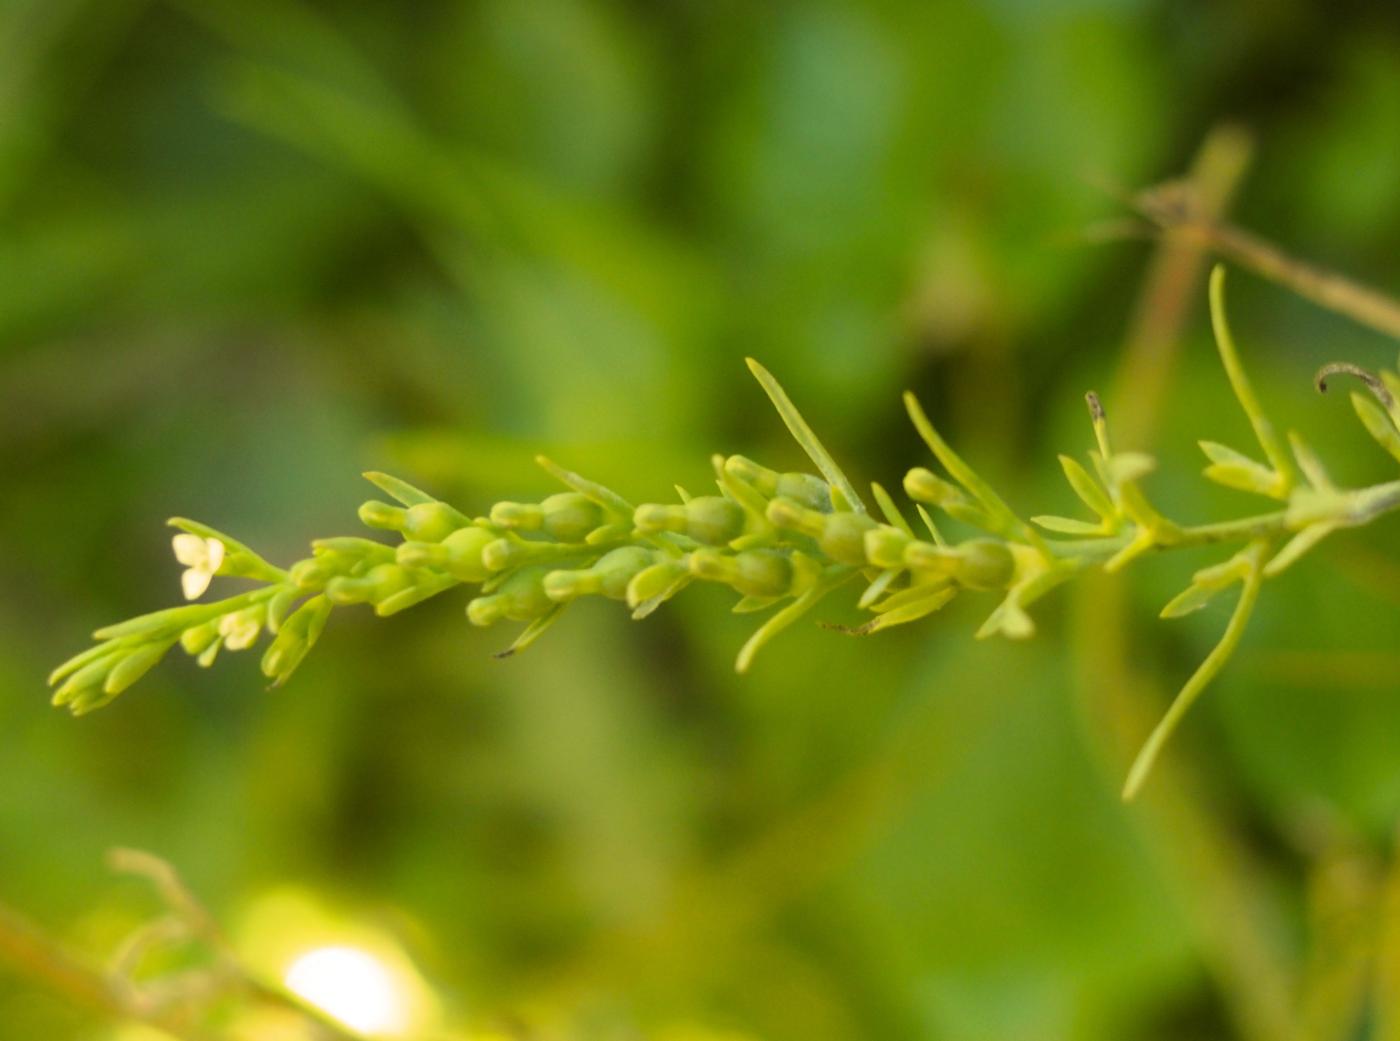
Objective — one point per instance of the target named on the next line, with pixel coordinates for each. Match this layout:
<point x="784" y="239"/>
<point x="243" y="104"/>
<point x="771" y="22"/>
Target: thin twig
<point x="1176" y="208"/>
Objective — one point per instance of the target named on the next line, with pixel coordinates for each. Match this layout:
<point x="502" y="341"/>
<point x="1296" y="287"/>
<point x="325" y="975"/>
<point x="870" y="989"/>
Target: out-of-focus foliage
<point x="250" y="248"/>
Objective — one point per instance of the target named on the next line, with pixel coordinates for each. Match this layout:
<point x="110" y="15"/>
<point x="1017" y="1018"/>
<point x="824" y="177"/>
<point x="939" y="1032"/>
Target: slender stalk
<point x="1176" y="210"/>
<point x="1249" y="595"/>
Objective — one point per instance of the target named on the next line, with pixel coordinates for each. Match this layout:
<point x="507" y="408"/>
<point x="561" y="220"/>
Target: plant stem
<point x="1363" y="506"/>
<point x="1174" y="210"/>
<point x="1219" y="654"/>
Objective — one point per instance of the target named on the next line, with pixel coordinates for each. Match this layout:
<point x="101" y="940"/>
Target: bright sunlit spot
<point x="353" y="986"/>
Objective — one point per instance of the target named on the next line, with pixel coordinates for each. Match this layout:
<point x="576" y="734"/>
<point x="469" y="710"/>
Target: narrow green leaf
<point x="1297" y="546"/>
<point x="961" y="472"/>
<point x="931" y="599"/>
<point x="135" y="665"/>
<point x="1310" y="463"/>
<point x="1214" y="662"/>
<point x="1236" y="470"/>
<point x="605" y="497"/>
<point x="877" y="588"/>
<point x="889" y="508"/>
<point x="914" y="594"/>
<point x="933" y="531"/>
<point x="1088" y="489"/>
<point x="532" y="632"/>
<point x="805" y="437"/>
<point x="1009" y="620"/>
<point x="404" y="492"/>
<point x="1378" y="423"/>
<point x="1190" y="599"/>
<point x="789" y="614"/>
<point x="1252" y="478"/>
<point x="81" y="659"/>
<point x="1239" y="382"/>
<point x="1067" y="525"/>
<point x="1127" y="467"/>
<point x="750" y="604"/>
<point x="428" y="585"/>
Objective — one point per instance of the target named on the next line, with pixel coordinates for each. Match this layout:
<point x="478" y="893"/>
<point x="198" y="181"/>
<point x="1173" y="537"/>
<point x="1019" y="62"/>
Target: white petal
<point x="190" y="550"/>
<point x="243" y="636"/>
<point x="214" y="554"/>
<point x="194" y="582"/>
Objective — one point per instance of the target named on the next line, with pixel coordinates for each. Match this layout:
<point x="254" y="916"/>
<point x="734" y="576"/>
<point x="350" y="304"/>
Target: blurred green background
<point x="250" y="248"/>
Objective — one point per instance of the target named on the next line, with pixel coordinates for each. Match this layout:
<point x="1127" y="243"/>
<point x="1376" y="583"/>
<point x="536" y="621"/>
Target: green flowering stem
<point x="780" y="541"/>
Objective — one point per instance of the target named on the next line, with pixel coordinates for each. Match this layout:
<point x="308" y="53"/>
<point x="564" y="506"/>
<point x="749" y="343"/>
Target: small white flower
<point x="201" y="557"/>
<point x="241" y="628"/>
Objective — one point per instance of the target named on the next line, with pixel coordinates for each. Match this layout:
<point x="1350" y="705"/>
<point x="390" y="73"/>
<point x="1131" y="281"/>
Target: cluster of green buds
<point x="782" y="541"/>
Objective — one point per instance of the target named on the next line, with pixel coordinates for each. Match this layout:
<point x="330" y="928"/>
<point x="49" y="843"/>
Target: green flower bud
<point x="460" y="554"/>
<point x="984" y="564"/>
<point x="379" y="583"/>
<point x="793" y="516"/>
<point x="196" y="639"/>
<point x="975" y="564"/>
<point x="296" y="637"/>
<point x="433" y="521"/>
<point x="519" y="516"/>
<point x="566" y="517"/>
<point x="134" y="666"/>
<point x="87" y="680"/>
<point x="925" y="486"/>
<point x="841" y="536"/>
<point x="279" y="605"/>
<point x="928" y="559"/>
<point x="754" y="572"/>
<point x="345" y="553"/>
<point x="241" y="629"/>
<point x="312" y="573"/>
<point x="709" y="519"/>
<point x="521" y="598"/>
<point x="609" y="577"/>
<point x="885" y="546"/>
<point x="808" y="489"/>
<point x="425" y="522"/>
<point x="655" y="580"/>
<point x="382" y="516"/>
<point x="511" y="551"/>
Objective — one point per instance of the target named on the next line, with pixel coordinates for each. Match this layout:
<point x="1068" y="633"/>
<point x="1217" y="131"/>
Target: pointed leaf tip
<point x="807" y="439"/>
